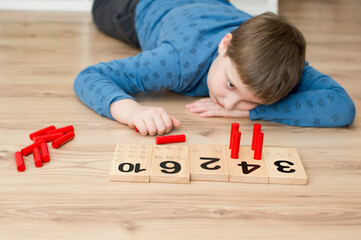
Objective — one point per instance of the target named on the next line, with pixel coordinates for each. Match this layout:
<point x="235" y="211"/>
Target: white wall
<point x="253" y="7"/>
<point x="256" y="7"/>
<point x="46" y="5"/>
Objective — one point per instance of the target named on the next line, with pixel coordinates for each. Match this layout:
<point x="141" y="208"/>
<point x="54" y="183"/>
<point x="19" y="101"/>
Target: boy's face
<point x="224" y="84"/>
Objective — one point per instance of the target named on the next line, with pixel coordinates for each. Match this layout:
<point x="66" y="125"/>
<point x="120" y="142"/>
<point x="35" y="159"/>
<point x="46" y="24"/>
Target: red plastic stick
<point x="136" y="129"/>
<point x="235" y="145"/>
<point x="258" y="146"/>
<point x="27" y="150"/>
<point x="63" y="130"/>
<point x="19" y="160"/>
<point x="41" y="131"/>
<point x="234" y="128"/>
<point x="37" y="157"/>
<point x="256" y="129"/>
<point x="62" y="140"/>
<point x="44" y="152"/>
<point x="49" y="137"/>
<point x="170" y="139"/>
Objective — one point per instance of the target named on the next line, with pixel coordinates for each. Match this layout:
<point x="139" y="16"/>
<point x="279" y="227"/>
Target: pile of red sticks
<point x="39" y="148"/>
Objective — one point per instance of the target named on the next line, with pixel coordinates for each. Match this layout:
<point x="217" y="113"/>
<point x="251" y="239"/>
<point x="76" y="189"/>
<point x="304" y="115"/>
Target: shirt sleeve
<point x="99" y="85"/>
<point x="318" y="101"/>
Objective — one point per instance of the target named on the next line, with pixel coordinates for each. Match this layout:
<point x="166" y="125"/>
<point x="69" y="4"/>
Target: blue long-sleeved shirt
<point x="179" y="40"/>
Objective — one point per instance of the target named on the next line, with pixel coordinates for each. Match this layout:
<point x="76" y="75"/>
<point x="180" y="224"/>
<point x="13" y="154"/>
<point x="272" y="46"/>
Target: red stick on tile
<point x="19" y="160"/>
<point x="258" y="146"/>
<point x="170" y="139"/>
<point x="49" y="137"/>
<point x="41" y="131"/>
<point x="63" y="130"/>
<point x="256" y="129"/>
<point x="27" y="150"/>
<point x="235" y="145"/>
<point x="234" y="128"/>
<point x="37" y="157"/>
<point x="62" y="140"/>
<point x="44" y="152"/>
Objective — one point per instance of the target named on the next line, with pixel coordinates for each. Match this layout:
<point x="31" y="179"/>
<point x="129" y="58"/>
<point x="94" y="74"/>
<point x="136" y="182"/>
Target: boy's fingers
<point x="151" y="127"/>
<point x="168" y="122"/>
<point x="176" y="122"/>
<point x="196" y="102"/>
<point x="206" y="106"/>
<point x="197" y="109"/>
<point x="211" y="113"/>
<point x="141" y="127"/>
<point x="224" y="113"/>
<point x="221" y="112"/>
<point x="159" y="123"/>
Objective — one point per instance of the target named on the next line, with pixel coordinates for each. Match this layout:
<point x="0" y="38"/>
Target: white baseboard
<point x="49" y="5"/>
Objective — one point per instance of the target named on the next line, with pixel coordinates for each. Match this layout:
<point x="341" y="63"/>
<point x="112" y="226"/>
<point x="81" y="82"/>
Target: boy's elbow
<point x="345" y="113"/>
<point x="349" y="113"/>
<point x="80" y="80"/>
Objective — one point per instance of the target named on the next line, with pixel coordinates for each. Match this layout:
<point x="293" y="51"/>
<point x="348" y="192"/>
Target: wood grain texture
<point x="71" y="197"/>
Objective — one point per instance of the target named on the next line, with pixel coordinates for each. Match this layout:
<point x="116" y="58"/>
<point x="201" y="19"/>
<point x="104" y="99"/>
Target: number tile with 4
<point x="246" y="169"/>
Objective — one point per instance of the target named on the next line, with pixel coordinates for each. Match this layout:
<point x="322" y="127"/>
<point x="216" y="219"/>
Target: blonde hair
<point x="269" y="54"/>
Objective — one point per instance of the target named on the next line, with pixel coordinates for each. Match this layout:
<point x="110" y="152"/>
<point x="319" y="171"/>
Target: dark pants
<point x="117" y="19"/>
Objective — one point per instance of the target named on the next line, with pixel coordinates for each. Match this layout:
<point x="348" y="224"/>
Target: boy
<point x="247" y="67"/>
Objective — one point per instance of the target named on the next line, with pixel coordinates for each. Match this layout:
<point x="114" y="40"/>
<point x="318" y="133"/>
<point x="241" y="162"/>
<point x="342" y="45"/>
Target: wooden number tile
<point x="209" y="162"/>
<point x="131" y="163"/>
<point x="245" y="169"/>
<point x="170" y="164"/>
<point x="284" y="166"/>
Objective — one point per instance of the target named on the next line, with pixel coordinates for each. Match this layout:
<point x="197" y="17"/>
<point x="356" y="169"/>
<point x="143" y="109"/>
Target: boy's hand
<point x="148" y="120"/>
<point x="207" y="108"/>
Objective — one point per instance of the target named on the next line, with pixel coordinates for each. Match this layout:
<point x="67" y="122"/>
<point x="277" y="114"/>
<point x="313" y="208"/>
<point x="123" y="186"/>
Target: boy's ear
<point x="224" y="44"/>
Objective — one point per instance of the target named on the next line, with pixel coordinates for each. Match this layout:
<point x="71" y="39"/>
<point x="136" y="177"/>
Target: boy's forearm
<point x="97" y="86"/>
<point x="120" y="109"/>
<point x="317" y="108"/>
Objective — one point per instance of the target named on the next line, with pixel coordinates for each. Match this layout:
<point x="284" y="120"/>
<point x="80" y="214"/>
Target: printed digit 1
<point x="131" y="167"/>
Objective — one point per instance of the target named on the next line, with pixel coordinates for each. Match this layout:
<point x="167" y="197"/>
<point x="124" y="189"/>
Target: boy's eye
<point x="230" y="84"/>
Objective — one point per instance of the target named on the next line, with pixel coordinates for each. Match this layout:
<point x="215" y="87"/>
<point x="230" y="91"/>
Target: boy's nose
<point x="231" y="102"/>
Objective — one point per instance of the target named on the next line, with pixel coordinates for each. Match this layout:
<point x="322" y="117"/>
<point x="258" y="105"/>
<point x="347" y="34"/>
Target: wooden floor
<point x="71" y="197"/>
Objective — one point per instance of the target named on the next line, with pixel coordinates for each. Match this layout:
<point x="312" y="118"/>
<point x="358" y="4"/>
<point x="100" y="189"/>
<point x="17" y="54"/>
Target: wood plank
<point x="42" y="52"/>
